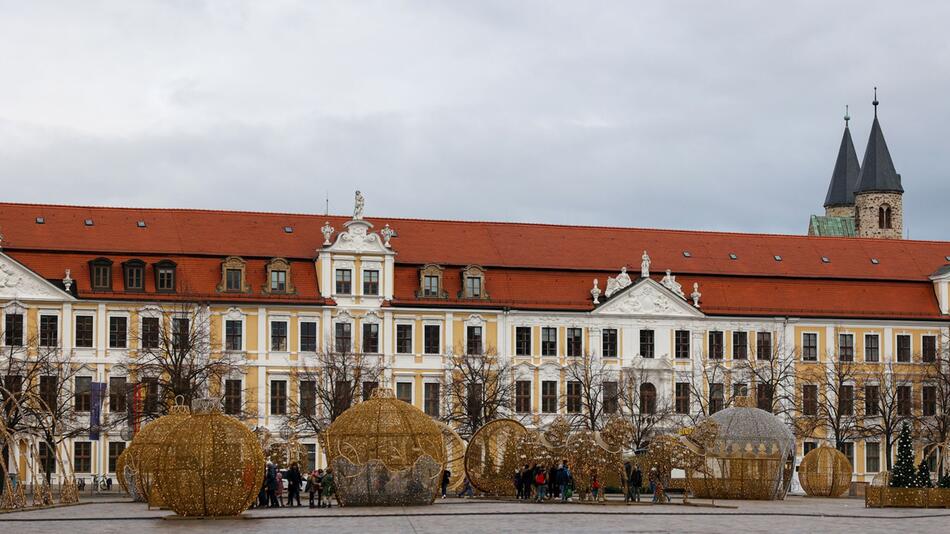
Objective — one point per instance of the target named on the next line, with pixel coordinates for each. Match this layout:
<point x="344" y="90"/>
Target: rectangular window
<point x="872" y="348"/>
<point x="432" y="338"/>
<point x="740" y="389"/>
<point x="134" y="277"/>
<point x="430" y="286"/>
<point x="278" y="281"/>
<point x="717" y="398"/>
<point x="233" y="334"/>
<point x="872" y="456"/>
<point x="609" y="343"/>
<point x="102" y="276"/>
<point x="474" y="340"/>
<point x="573" y="396"/>
<point x="681" y="398"/>
<point x="308" y="397"/>
<point x="13" y="330"/>
<point x="715" y="345"/>
<point x="115" y="449"/>
<point x="549" y="396"/>
<point x="49" y="392"/>
<point x="150" y="332"/>
<point x="432" y="399"/>
<point x="82" y="396"/>
<point x="474" y="402"/>
<point x="371" y="282"/>
<point x="763" y="345"/>
<point x="82" y="456"/>
<point x="810" y="399"/>
<point x="403" y="338"/>
<point x="763" y="397"/>
<point x="308" y="336"/>
<point x="233" y="280"/>
<point x="681" y="344"/>
<point x="181" y="339"/>
<point x="117" y="394"/>
<point x="522" y="341"/>
<point x="473" y="286"/>
<point x="49" y="331"/>
<point x="84" y="331"/>
<point x="278" y="336"/>
<point x="929" y="402"/>
<point x="846" y="347"/>
<point x="343" y="337"/>
<point x="149" y="384"/>
<point x="233" y="391"/>
<point x="810" y="347"/>
<point x="872" y="400"/>
<point x="740" y="345"/>
<point x="611" y="397"/>
<point x="647" y="343"/>
<point x="404" y="391"/>
<point x="548" y="341"/>
<point x="278" y="397"/>
<point x="342" y="396"/>
<point x="166" y="279"/>
<point x="344" y="281"/>
<point x="847" y="448"/>
<point x="47" y="459"/>
<point x="808" y="446"/>
<point x="903" y="348"/>
<point x="904" y="400"/>
<point x="368" y="388"/>
<point x="523" y="396"/>
<point x="118" y="332"/>
<point x="846" y="400"/>
<point x="370" y="338"/>
<point x="928" y="352"/>
<point x="574" y="341"/>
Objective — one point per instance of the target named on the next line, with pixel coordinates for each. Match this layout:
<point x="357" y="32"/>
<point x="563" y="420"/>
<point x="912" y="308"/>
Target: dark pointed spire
<point x="877" y="170"/>
<point x="844" y="179"/>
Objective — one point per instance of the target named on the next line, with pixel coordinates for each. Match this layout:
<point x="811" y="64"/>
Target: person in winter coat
<point x="540" y="482"/>
<point x="312" y="483"/>
<point x="446" y="477"/>
<point x="634" y="483"/>
<point x="271" y="481"/>
<point x="595" y="486"/>
<point x="552" y="482"/>
<point x="329" y="488"/>
<point x="564" y="481"/>
<point x="294" y="482"/>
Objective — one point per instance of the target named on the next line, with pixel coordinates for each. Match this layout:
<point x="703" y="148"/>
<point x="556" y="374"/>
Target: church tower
<point x="839" y="202"/>
<point x="878" y="198"/>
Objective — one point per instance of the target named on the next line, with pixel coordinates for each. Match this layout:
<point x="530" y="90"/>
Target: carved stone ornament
<point x="327" y="233"/>
<point x="616" y="284"/>
<point x="647" y="297"/>
<point x="387" y="234"/>
<point x="358" y="207"/>
<point x="595" y="292"/>
<point x="645" y="265"/>
<point x="67" y="280"/>
<point x="669" y="281"/>
<point x="18" y="282"/>
<point x="695" y="294"/>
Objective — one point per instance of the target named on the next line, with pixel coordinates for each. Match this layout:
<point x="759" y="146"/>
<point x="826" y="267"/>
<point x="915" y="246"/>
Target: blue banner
<point x="95" y="410"/>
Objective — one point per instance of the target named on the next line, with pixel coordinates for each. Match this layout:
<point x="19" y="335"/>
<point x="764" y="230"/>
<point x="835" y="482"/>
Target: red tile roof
<point x="534" y="266"/>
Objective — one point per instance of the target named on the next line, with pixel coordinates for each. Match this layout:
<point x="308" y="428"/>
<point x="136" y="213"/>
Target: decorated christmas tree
<point x="904" y="474"/>
<point x="922" y="480"/>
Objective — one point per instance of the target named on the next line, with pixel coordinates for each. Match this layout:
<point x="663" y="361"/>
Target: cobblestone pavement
<point x="795" y="514"/>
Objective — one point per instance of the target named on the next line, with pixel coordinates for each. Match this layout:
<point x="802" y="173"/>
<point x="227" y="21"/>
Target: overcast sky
<point x="696" y="115"/>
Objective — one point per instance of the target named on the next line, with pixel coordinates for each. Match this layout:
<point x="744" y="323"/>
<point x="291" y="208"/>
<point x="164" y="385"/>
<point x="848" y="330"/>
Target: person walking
<point x="311" y="488"/>
<point x="280" y="488"/>
<point x="552" y="482"/>
<point x="595" y="486"/>
<point x="635" y="482"/>
<point x="446" y="477"/>
<point x="271" y="481"/>
<point x="294" y="482"/>
<point x="627" y="473"/>
<point x="519" y="493"/>
<point x="540" y="482"/>
<point x="564" y="481"/>
<point x="467" y="489"/>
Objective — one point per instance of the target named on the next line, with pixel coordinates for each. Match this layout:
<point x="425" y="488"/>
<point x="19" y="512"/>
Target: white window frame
<point x="412" y="336"/>
<point x="270" y="333"/>
<point x="95" y="329"/>
<point x="557" y="342"/>
<point x="234" y="314"/>
<point x="817" y="346"/>
<point x="277" y="378"/>
<point x="864" y="355"/>
<point x="15" y="307"/>
<point x="430" y="322"/>
<point x="412" y="386"/>
<point x="128" y="326"/>
<point x="309" y="319"/>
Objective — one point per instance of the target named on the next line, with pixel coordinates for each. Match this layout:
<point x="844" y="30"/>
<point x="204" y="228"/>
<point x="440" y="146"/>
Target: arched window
<point x="887" y="217"/>
<point x="647" y="398"/>
<point x="884" y="217"/>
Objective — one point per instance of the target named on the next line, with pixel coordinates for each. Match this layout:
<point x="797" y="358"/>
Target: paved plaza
<point x="795" y="514"/>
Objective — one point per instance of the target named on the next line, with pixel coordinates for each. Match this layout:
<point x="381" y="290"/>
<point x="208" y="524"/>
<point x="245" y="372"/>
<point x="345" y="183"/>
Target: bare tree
<point x="935" y="427"/>
<point x="588" y="378"/>
<point x="771" y="375"/>
<point x="888" y="402"/>
<point x="839" y="395"/>
<point x="328" y="383"/>
<point x="713" y="388"/>
<point x="648" y="410"/>
<point x="477" y="389"/>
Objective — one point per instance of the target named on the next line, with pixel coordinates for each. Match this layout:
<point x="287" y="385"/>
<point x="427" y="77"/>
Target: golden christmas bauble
<point x="210" y="464"/>
<point x="144" y="458"/>
<point x="825" y="472"/>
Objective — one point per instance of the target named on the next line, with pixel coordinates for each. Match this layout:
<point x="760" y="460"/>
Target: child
<point x="312" y="486"/>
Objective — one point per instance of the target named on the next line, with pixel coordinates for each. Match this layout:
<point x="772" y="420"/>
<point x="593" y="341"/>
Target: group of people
<point x="319" y="486"/>
<point x="542" y="483"/>
<point x="635" y="484"/>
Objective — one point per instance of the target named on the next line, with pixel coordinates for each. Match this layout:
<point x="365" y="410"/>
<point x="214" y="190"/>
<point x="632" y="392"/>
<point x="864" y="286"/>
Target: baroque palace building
<point x="278" y="287"/>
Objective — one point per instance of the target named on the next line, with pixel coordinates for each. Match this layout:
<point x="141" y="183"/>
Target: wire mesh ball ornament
<point x="751" y="457"/>
<point x="454" y="457"/>
<point x="210" y="465"/>
<point x="494" y="454"/>
<point x="145" y="457"/>
<point x="825" y="472"/>
<point x="387" y="452"/>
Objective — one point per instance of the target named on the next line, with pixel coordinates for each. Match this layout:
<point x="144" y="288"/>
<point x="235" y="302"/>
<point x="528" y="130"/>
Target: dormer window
<point x="279" y="279"/>
<point x="133" y="273"/>
<point x="100" y="270"/>
<point x="233" y="279"/>
<point x="473" y="283"/>
<point x="165" y="276"/>
<point x="430" y="283"/>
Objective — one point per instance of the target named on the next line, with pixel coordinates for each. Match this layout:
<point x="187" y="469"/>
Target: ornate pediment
<point x="647" y="297"/>
<point x="19" y="283"/>
<point x="358" y="236"/>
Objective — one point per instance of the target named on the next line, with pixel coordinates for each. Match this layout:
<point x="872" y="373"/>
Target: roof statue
<point x="695" y="294"/>
<point x="327" y="231"/>
<point x="877" y="170"/>
<point x="595" y="292"/>
<point x="387" y="234"/>
<point x="67" y="280"/>
<point x="616" y="284"/>
<point x="358" y="207"/>
<point x="844" y="178"/>
<point x="669" y="282"/>
<point x="645" y="265"/>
